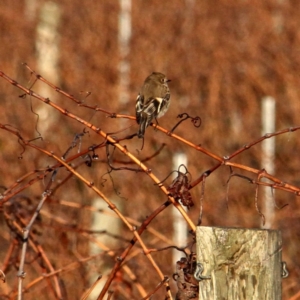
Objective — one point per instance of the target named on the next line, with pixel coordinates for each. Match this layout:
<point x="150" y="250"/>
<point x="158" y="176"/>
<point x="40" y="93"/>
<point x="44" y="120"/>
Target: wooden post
<point x="241" y="263"/>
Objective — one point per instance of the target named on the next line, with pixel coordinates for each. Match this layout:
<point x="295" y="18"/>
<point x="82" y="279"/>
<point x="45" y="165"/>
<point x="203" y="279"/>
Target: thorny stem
<point x="26" y="231"/>
<point x="110" y="204"/>
<point x="221" y="160"/>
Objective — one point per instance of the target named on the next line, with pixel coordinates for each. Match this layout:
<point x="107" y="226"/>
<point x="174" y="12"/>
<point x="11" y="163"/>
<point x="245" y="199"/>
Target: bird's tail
<point x="143" y="125"/>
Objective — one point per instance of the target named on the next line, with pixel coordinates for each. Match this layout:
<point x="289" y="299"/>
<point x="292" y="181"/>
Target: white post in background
<point x="268" y="154"/>
<point x="124" y="47"/>
<point x="47" y="45"/>
<point x="102" y="242"/>
<point x="180" y="228"/>
<point x="101" y="221"/>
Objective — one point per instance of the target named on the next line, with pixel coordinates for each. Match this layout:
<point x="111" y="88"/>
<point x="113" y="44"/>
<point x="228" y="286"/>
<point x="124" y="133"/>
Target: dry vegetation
<point x="222" y="57"/>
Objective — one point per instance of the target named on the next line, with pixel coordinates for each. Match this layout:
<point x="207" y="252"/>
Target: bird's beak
<point x="168" y="80"/>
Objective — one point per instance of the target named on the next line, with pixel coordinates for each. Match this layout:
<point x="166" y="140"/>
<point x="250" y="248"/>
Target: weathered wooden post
<point x="238" y="263"/>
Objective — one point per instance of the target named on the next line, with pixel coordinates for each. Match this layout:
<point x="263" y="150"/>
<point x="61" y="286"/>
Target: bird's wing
<point x="151" y="106"/>
<point x="139" y="107"/>
<point x="158" y="103"/>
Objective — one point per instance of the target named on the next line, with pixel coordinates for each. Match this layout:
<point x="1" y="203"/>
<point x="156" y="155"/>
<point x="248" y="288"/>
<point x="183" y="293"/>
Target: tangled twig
<point x="195" y="120"/>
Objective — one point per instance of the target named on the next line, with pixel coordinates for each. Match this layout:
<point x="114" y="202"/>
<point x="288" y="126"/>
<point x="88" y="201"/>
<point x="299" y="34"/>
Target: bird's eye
<point x="162" y="80"/>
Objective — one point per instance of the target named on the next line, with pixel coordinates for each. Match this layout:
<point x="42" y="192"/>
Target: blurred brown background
<point x="222" y="56"/>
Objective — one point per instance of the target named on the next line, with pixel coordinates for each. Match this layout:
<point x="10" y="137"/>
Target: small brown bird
<point x="153" y="100"/>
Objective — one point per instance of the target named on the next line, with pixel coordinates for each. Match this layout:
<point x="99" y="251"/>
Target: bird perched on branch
<point x="153" y="100"/>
